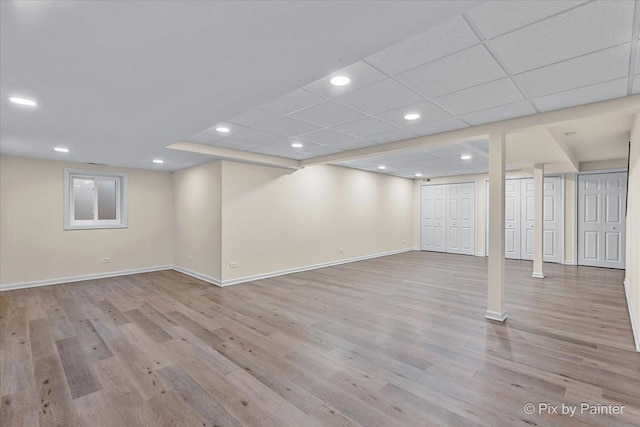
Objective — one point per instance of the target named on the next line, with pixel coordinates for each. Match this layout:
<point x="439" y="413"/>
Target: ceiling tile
<point x="608" y="64"/>
<point x="360" y="73"/>
<point x="327" y="137"/>
<point x="236" y="144"/>
<point x="488" y="95"/>
<point x="584" y="95"/>
<point x="364" y="127"/>
<point x="591" y="27"/>
<point x="502" y="112"/>
<point x="258" y="137"/>
<point x="353" y="144"/>
<point x="286" y="147"/>
<point x="446" y="38"/>
<point x="461" y="70"/>
<point x="498" y="17"/>
<point x="288" y="126"/>
<point x="254" y="117"/>
<point x="636" y="83"/>
<point x="438" y="126"/>
<point x="323" y="151"/>
<point x="637" y="70"/>
<point x="203" y="138"/>
<point x="428" y="111"/>
<point x="379" y="97"/>
<point x="327" y="114"/>
<point x="294" y="101"/>
<point x="390" y="136"/>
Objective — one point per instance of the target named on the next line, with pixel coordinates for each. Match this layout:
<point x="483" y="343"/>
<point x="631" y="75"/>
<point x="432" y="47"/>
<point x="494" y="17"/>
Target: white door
<point x="460" y="218"/>
<point x="527" y="210"/>
<point x="553" y="240"/>
<point x="512" y="219"/>
<point x="601" y="219"/>
<point x="433" y="217"/>
<point x="448" y="218"/>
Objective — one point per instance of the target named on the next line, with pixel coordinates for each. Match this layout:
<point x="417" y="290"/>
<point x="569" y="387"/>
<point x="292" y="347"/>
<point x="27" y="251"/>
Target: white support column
<point x="538" y="220"/>
<point x="495" y="295"/>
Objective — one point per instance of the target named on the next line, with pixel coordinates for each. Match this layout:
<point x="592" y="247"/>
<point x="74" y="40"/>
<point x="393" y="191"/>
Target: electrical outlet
<point x="404" y="242"/>
<point x="233" y="265"/>
<point x="340" y="250"/>
<point x="189" y="258"/>
<point x="105" y="260"/>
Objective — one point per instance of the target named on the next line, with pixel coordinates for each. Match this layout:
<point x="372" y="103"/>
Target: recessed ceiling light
<point x="297" y="145"/>
<point x="340" y="80"/>
<point x="23" y="101"/>
<point x="61" y="150"/>
<point x="412" y="116"/>
<point x="382" y="167"/>
<point x="418" y="174"/>
<point x="158" y="161"/>
<point x="568" y="134"/>
<point x="465" y="157"/>
<point x="222" y="129"/>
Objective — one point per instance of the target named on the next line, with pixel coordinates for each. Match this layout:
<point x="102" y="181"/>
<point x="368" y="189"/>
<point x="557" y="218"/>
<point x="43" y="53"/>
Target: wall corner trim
<point x="632" y="315"/>
<point x="197" y="275"/>
<point x="71" y="279"/>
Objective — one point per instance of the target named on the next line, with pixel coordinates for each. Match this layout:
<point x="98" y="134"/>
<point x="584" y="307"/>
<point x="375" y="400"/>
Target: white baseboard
<point x="208" y="279"/>
<point x="537" y="275"/>
<point x="36" y="283"/>
<point x="310" y="267"/>
<point x="494" y="315"/>
<point x="479" y="253"/>
<point x="570" y="262"/>
<point x="632" y="317"/>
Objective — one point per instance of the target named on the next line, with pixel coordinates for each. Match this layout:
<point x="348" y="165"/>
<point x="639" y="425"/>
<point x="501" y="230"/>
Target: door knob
<point x="613" y="228"/>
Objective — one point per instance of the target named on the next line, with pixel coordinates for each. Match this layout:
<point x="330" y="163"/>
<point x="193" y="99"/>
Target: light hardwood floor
<point x="394" y="341"/>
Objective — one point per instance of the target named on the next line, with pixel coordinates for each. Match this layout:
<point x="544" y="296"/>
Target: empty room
<point x="319" y="213"/>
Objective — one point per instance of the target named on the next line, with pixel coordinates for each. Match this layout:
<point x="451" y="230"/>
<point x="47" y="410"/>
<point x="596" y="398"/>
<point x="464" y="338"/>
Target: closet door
<point x="461" y="218"/>
<point x="601" y="219"/>
<point x="433" y="218"/>
<point x="553" y="240"/>
<point x="526" y="211"/>
<point x="512" y="219"/>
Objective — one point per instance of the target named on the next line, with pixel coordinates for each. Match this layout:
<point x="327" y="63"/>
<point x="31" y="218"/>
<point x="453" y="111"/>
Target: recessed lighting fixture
<point x="158" y="161"/>
<point x="61" y="150"/>
<point x="222" y="129"/>
<point x="412" y="116"/>
<point x="418" y="174"/>
<point x="23" y="101"/>
<point x="382" y="167"/>
<point x="465" y="157"/>
<point x="340" y="80"/>
<point x="297" y="145"/>
<point x="568" y="134"/>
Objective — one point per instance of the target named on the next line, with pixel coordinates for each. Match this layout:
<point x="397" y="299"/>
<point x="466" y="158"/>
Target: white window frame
<point x="121" y="220"/>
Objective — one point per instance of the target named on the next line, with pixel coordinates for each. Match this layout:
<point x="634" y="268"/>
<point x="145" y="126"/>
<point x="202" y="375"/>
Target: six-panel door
<point x="601" y="219"/>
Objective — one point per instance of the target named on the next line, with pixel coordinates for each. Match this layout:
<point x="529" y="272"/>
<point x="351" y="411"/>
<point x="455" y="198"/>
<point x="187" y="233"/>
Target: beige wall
<point x="633" y="232"/>
<point x="275" y="219"/>
<point x="570" y="213"/>
<point x="35" y="247"/>
<point x="197" y="219"/>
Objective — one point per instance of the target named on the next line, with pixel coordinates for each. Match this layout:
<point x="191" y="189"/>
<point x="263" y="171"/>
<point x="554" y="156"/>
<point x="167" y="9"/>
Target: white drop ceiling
<point x="497" y="61"/>
<point x="134" y="90"/>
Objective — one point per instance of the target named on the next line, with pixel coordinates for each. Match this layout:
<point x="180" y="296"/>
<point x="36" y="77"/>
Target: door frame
<point x="475" y="212"/>
<point x="562" y="211"/>
<point x="575" y="204"/>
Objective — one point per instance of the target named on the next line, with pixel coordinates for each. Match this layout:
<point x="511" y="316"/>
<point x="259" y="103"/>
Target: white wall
<point x="632" y="280"/>
<point x="197" y="219"/>
<point x="276" y="219"/>
<point x="35" y="247"/>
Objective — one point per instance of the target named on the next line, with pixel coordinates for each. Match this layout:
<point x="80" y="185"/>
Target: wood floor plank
<point x="80" y="375"/>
